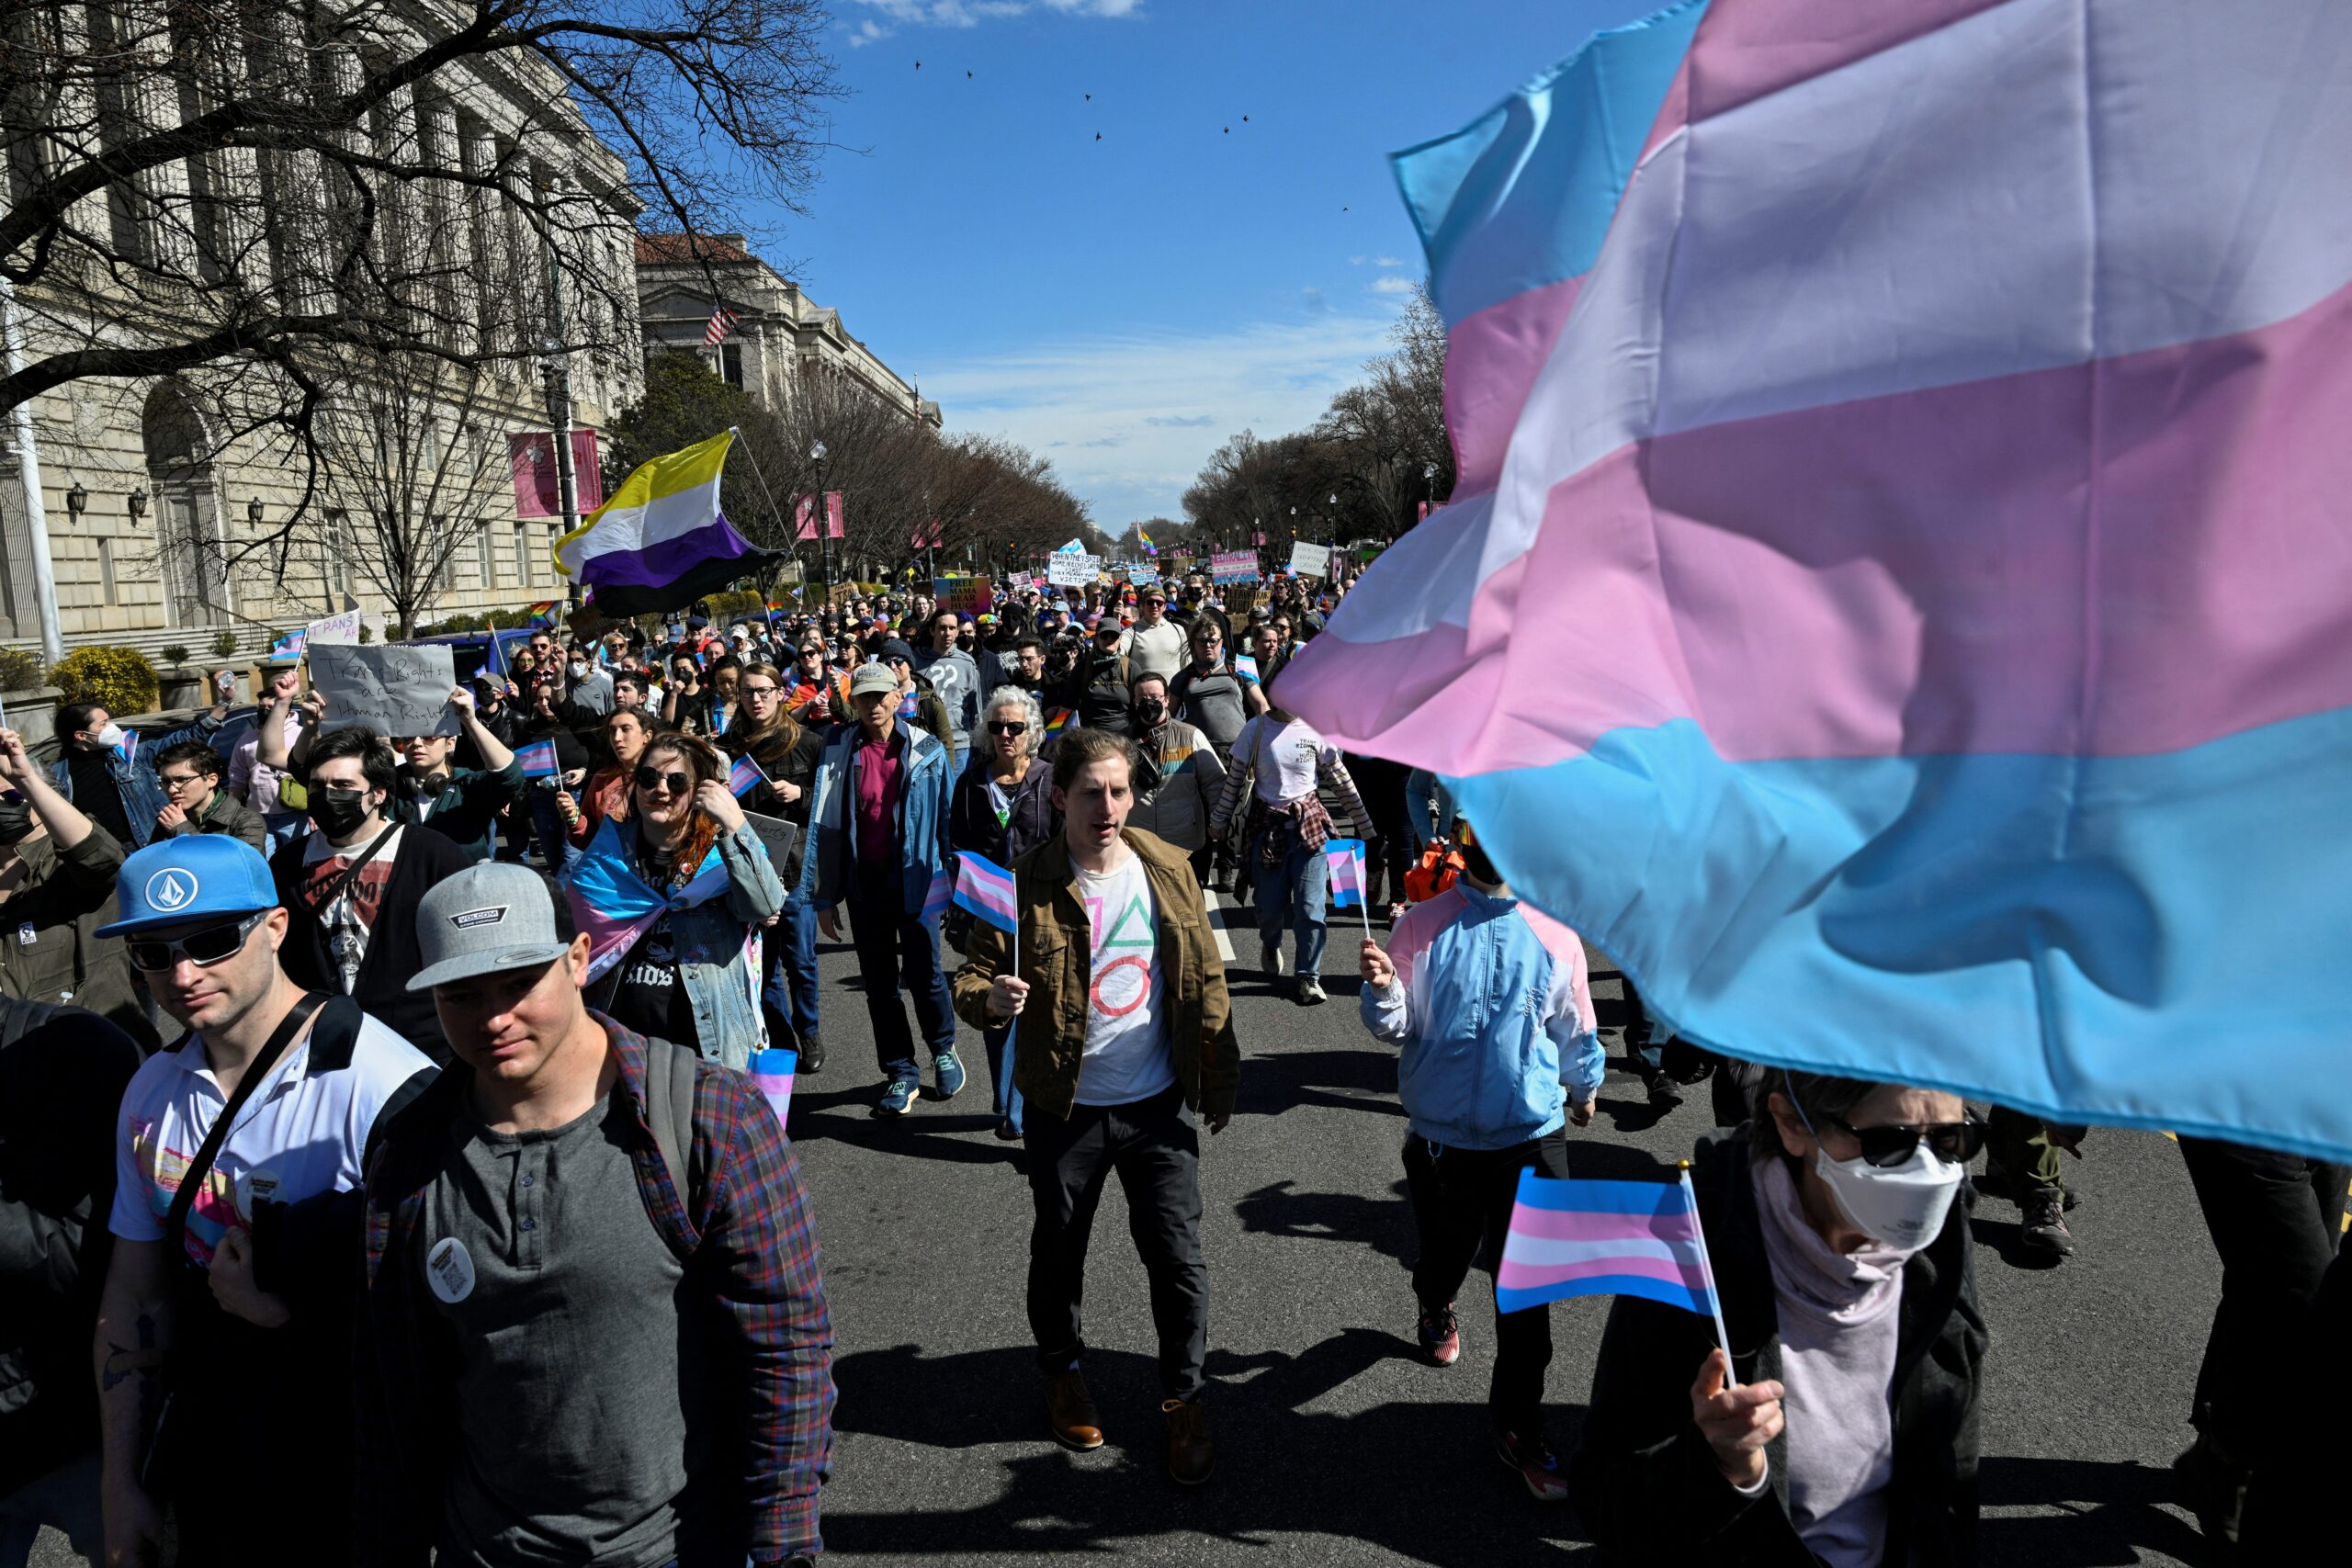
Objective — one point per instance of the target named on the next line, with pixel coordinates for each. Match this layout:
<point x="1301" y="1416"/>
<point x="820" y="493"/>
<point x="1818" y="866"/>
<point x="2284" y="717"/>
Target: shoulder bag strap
<point x="670" y="1111"/>
<point x="192" y="1181"/>
<point x="351" y="873"/>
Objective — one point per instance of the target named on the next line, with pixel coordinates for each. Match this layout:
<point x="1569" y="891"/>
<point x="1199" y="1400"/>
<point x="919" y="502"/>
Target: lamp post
<point x="12" y="353"/>
<point x="824" y="516"/>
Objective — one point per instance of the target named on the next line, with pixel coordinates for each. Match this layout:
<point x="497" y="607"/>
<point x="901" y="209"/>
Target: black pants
<point x="1462" y="1197"/>
<point x="2274" y="1219"/>
<point x="1155" y="1145"/>
<point x="894" y="947"/>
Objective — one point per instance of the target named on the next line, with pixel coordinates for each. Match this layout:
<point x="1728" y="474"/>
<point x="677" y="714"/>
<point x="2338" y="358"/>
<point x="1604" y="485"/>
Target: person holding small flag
<point x="1490" y="1001"/>
<point x="775" y="767"/>
<point x="1841" y="1425"/>
<point x="1279" y="765"/>
<point x="878" y="843"/>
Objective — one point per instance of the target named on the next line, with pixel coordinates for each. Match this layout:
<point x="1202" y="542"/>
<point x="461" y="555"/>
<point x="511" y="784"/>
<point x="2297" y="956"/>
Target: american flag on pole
<point x="722" y="321"/>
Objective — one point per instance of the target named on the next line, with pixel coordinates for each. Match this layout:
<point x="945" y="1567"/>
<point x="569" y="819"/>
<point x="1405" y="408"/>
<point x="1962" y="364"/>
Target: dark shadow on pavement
<point x="934" y="1130"/>
<point x="1349" y="1080"/>
<point x="2098" y="1514"/>
<point x="1385" y="1224"/>
<point x="2007" y="1237"/>
<point x="1417" y="1478"/>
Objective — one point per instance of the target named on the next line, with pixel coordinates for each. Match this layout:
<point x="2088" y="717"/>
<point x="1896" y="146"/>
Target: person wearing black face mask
<point x="1178" y="777"/>
<point x="56" y="890"/>
<point x="351" y="889"/>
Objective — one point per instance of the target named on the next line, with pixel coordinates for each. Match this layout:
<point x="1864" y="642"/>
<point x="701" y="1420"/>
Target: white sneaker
<point x="1270" y="959"/>
<point x="1310" y="991"/>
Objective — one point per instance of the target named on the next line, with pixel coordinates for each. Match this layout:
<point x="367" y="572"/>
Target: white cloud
<point x="972" y="13"/>
<point x="1388" y="261"/>
<point x="1393" y="283"/>
<point x="867" y="31"/>
<point x="1131" y="419"/>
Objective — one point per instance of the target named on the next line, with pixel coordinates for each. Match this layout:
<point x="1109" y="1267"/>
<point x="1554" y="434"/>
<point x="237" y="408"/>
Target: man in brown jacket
<point x="1127" y="1038"/>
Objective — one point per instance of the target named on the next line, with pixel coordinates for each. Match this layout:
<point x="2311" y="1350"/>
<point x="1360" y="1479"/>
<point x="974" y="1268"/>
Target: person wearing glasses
<point x="57" y="891"/>
<point x="238" y="1160"/>
<point x="687" y="976"/>
<point x="1491" y="1002"/>
<point x="194" y="801"/>
<point x="1003" y="808"/>
<point x="786" y="754"/>
<point x="1841" y="1428"/>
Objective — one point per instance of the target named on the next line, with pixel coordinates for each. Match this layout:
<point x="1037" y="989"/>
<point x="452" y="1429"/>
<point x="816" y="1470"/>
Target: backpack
<point x="1433" y="874"/>
<point x="670" y="1111"/>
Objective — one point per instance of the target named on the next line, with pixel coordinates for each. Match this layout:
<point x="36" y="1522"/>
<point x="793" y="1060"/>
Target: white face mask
<point x="579" y="671"/>
<point x="110" y="735"/>
<point x="1899" y="1206"/>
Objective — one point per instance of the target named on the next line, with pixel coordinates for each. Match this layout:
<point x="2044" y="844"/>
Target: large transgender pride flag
<point x="661" y="543"/>
<point x="1899" y="598"/>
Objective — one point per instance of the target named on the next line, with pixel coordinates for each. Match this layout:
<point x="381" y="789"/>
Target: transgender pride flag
<point x="1604" y="1238"/>
<point x="771" y="1070"/>
<point x="1897" y="602"/>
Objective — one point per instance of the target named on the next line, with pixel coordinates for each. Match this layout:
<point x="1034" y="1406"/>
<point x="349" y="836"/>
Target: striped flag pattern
<point x="986" y="889"/>
<point x="537" y="760"/>
<point x="771" y="1070"/>
<point x="941" y="893"/>
<point x="1345" y="858"/>
<point x="1246" y="666"/>
<point x="722" y="321"/>
<point x="1604" y="1238"/>
<point x="745" y="776"/>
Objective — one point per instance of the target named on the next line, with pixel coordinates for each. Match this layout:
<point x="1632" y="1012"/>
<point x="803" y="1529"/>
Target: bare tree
<point x="247" y="192"/>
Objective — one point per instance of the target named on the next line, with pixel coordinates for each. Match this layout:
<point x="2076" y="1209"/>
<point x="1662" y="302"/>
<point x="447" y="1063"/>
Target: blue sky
<point x="1122" y="305"/>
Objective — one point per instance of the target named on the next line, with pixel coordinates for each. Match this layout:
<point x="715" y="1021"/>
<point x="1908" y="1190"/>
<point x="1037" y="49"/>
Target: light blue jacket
<point x="142" y="793"/>
<point x="920" y="848"/>
<point x="1494" y="1009"/>
<point x="713" y="942"/>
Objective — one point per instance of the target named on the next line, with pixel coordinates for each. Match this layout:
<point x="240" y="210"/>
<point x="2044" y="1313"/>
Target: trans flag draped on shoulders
<point x="661" y="542"/>
<point x="1897" y="599"/>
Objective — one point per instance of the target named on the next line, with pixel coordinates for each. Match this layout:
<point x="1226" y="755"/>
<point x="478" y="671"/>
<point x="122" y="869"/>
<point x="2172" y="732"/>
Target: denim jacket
<point x="921" y="850"/>
<point x="142" y="793"/>
<point x="717" y="948"/>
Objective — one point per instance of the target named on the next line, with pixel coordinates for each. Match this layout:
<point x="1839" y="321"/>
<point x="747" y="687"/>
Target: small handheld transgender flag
<point x="537" y="760"/>
<point x="986" y="889"/>
<point x="745" y="776"/>
<point x="1345" y="859"/>
<point x="936" y="898"/>
<point x="771" y="1070"/>
<point x="1246" y="666"/>
<point x="1608" y="1239"/>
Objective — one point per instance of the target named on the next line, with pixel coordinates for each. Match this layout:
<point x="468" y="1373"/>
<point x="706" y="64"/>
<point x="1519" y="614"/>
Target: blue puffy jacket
<point x="920" y="839"/>
<point x="1493" y="1008"/>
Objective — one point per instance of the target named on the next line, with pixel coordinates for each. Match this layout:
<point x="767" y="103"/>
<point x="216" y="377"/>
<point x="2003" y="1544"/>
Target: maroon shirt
<point x="881" y="773"/>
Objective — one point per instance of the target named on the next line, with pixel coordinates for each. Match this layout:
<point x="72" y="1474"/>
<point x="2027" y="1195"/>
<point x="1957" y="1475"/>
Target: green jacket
<point x="232" y="817"/>
<point x="50" y="951"/>
<point x="1056" y="955"/>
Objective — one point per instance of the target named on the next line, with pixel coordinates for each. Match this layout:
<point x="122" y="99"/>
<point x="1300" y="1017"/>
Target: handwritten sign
<point x="1019" y="581"/>
<point x="333" y="631"/>
<point x="392" y="690"/>
<point x="1234" y="566"/>
<point x="1071" y="570"/>
<point x="1310" y="560"/>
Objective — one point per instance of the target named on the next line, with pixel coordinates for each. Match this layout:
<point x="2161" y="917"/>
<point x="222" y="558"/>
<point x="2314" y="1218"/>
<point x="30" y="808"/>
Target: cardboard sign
<point x="393" y="691"/>
<point x="1310" y="560"/>
<point x="1144" y="574"/>
<point x="1019" y="581"/>
<point x="333" y="631"/>
<point x="1239" y="598"/>
<point x="965" y="596"/>
<point x="1234" y="566"/>
<point x="1071" y="570"/>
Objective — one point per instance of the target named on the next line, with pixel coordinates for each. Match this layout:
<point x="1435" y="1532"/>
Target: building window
<point x="522" y="555"/>
<point x="445" y="577"/>
<point x="106" y="571"/>
<point x="483" y="554"/>
<point x="730" y="363"/>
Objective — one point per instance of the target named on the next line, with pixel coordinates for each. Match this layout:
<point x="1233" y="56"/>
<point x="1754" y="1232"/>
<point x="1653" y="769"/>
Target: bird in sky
<point x="1228" y="130"/>
<point x="1245" y="119"/>
<point x="918" y="65"/>
<point x="967" y="75"/>
<point x="1098" y="136"/>
<point x="1089" y="97"/>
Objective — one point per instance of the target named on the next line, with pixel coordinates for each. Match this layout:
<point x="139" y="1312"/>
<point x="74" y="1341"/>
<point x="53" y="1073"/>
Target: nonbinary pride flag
<point x="660" y="542"/>
<point x="771" y="1070"/>
<point x="1603" y="1238"/>
<point x="537" y="760"/>
<point x="1345" y="857"/>
<point x="1967" y="356"/>
<point x="986" y="889"/>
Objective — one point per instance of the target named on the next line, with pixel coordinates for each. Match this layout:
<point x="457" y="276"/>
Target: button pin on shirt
<point x="449" y="1270"/>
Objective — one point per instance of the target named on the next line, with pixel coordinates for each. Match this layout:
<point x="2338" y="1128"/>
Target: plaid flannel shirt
<point x="750" y="1242"/>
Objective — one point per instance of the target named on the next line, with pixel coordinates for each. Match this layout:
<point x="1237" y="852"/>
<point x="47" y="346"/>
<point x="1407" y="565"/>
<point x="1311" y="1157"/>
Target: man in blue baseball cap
<point x="238" y="1156"/>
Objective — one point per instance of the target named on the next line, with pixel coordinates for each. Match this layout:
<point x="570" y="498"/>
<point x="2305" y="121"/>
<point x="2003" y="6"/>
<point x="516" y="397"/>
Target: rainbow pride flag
<point x="771" y="1070"/>
<point x="1604" y="1238"/>
<point x="1057" y="721"/>
<point x="1894" y="599"/>
<point x="543" y="613"/>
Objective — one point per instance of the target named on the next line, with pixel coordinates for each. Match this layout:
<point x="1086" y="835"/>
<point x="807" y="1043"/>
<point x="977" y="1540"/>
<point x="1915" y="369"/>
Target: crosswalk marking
<point x="1220" y="913"/>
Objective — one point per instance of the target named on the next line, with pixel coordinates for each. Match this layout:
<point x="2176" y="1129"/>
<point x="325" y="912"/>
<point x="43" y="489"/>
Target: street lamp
<point x="824" y="517"/>
<point x="78" y="500"/>
<point x="252" y="511"/>
<point x="137" y="502"/>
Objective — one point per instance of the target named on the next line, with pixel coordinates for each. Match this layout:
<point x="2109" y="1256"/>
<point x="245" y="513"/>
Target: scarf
<point x="616" y="906"/>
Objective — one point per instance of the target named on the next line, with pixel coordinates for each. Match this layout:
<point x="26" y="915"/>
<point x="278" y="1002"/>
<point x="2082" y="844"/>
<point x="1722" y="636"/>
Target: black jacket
<point x="1644" y="1479"/>
<point x="62" y="1071"/>
<point x="423" y="859"/>
<point x="971" y="816"/>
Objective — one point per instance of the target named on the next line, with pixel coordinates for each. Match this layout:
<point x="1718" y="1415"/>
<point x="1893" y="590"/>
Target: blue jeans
<point x="790" y="988"/>
<point x="556" y="847"/>
<point x="1008" y="1094"/>
<point x="894" y="947"/>
<point x="1292" y="891"/>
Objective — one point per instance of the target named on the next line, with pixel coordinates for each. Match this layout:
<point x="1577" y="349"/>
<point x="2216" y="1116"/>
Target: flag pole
<point x="1714" y="1296"/>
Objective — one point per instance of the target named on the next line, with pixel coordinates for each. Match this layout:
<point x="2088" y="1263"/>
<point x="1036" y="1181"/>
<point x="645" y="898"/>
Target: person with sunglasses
<point x="687" y="976"/>
<point x="1003" y="808"/>
<point x="238" y="1159"/>
<point x="1841" y="1425"/>
<point x="57" y="873"/>
<point x="1491" y="1004"/>
<point x="194" y="801"/>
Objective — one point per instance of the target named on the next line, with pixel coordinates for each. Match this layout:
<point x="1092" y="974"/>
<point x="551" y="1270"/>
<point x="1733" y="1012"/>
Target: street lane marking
<point x="1217" y="913"/>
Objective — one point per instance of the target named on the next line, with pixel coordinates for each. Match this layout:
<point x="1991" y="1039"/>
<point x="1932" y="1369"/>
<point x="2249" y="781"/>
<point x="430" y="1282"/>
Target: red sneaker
<point x="1442" y="1335"/>
<point x="1537" y="1463"/>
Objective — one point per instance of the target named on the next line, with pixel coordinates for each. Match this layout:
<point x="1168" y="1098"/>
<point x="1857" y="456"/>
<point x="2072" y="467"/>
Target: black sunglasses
<point x="202" y="948"/>
<point x="654" y="778"/>
<point x="998" y="727"/>
<point x="1892" y="1145"/>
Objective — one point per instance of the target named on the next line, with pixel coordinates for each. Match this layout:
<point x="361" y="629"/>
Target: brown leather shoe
<point x="1070" y="1409"/>
<point x="1191" y="1457"/>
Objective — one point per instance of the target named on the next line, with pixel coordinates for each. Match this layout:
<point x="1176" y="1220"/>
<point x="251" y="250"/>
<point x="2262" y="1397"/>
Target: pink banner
<point x="804" y="515"/>
<point x="538" y="490"/>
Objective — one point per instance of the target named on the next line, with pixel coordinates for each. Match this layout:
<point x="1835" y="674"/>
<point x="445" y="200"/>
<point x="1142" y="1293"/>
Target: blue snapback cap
<point x="175" y="881"/>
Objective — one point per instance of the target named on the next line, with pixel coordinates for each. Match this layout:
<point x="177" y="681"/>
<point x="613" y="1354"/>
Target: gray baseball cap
<point x="489" y="917"/>
<point x="873" y="678"/>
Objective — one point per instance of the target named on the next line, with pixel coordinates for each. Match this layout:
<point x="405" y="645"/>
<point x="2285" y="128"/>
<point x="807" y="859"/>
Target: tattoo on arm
<point x="122" y="1361"/>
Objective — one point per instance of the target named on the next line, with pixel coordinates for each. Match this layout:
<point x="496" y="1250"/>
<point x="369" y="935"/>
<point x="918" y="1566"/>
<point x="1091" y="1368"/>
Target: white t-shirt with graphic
<point x="1126" y="1056"/>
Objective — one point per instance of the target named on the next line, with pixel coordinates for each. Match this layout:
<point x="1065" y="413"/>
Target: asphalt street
<point x="1335" y="1443"/>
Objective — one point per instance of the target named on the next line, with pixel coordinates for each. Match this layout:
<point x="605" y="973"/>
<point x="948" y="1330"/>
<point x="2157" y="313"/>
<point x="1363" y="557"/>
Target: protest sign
<point x="1239" y="598"/>
<point x="1144" y="574"/>
<point x="393" y="691"/>
<point x="1234" y="566"/>
<point x="1019" y="581"/>
<point x="1065" y="570"/>
<point x="1310" y="560"/>
<point x="333" y="631"/>
<point x="965" y="596"/>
